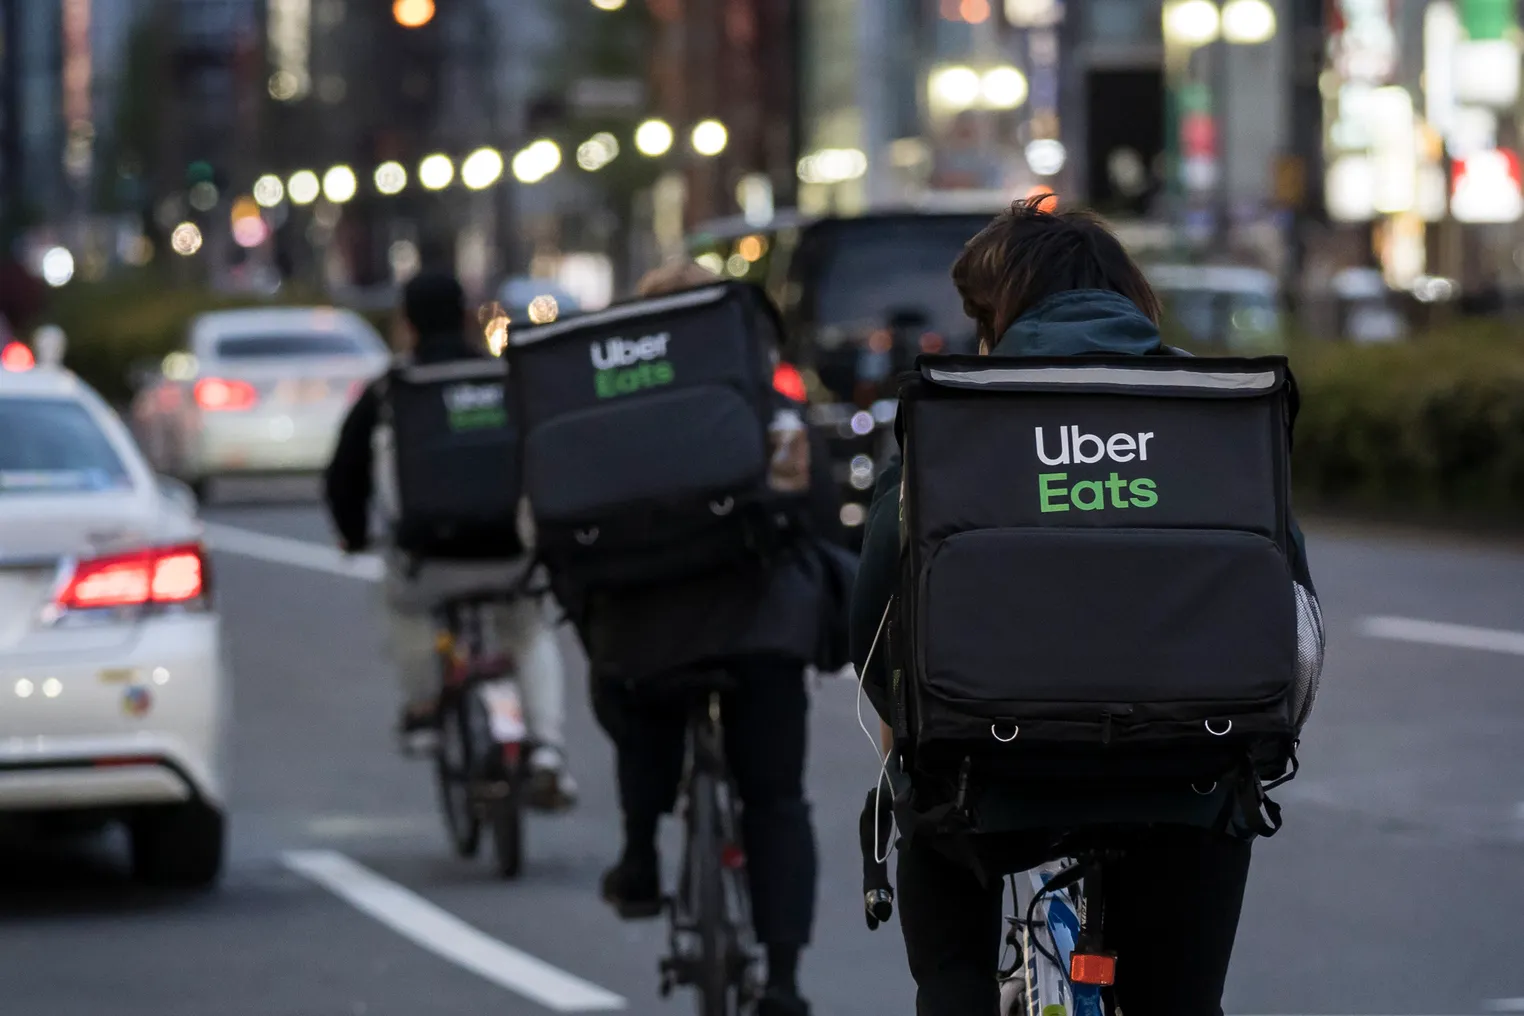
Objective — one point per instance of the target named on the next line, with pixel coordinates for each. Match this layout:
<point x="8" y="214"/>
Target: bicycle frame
<point x="1034" y="986"/>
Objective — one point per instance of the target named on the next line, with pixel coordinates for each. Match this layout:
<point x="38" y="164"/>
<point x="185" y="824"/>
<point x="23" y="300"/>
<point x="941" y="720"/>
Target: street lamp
<point x="339" y="184"/>
<point x="1194" y="135"/>
<point x="390" y="178"/>
<point x="1192" y="23"/>
<point x="1248" y="22"/>
<point x="303" y="187"/>
<point x="482" y="168"/>
<point x="597" y="151"/>
<point x="537" y="161"/>
<point x="268" y="190"/>
<point x="653" y="138"/>
<point x="436" y="171"/>
<point x="710" y="137"/>
<point x="608" y="5"/>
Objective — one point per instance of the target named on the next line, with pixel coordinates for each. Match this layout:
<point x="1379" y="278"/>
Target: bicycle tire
<point x="712" y="969"/>
<point x="507" y="819"/>
<point x="453" y="775"/>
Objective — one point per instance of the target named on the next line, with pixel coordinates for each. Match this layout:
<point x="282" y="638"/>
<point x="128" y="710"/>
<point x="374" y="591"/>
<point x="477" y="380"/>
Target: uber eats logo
<point x="1072" y="446"/>
<point x="624" y="366"/>
<point x="475" y="407"/>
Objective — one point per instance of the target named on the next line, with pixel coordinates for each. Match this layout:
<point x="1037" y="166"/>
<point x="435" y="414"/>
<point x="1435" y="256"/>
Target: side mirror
<point x="178" y="492"/>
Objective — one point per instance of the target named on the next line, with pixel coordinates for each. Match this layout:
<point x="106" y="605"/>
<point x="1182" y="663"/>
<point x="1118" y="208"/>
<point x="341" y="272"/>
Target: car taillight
<point x="788" y="381"/>
<point x="16" y="357"/>
<point x="139" y="578"/>
<point x="215" y="394"/>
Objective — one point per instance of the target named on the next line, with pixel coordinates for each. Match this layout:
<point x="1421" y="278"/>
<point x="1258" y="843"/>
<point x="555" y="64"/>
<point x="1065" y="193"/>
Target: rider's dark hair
<point x="1027" y="254"/>
<point x="434" y="304"/>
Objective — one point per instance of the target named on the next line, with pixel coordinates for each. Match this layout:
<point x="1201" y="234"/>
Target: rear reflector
<point x="160" y="575"/>
<point x="1092" y="969"/>
<point x="788" y="381"/>
<point x="16" y="357"/>
<point x="215" y="394"/>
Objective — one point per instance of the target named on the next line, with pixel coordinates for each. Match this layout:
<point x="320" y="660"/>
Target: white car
<point x="256" y="391"/>
<point x="112" y="676"/>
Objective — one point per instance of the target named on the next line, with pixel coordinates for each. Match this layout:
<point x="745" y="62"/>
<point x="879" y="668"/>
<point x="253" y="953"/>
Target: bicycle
<point x="1062" y="901"/>
<point x="483" y="749"/>
<point x="710" y="936"/>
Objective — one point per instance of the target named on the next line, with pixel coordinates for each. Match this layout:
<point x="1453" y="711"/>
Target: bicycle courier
<point x="1130" y="517"/>
<point x="455" y="454"/>
<point x="646" y="447"/>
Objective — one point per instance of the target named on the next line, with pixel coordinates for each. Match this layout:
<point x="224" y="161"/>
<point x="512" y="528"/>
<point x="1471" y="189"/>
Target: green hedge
<point x="1431" y="425"/>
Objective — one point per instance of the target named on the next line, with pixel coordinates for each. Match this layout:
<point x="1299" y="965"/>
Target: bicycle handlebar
<point x="874" y="828"/>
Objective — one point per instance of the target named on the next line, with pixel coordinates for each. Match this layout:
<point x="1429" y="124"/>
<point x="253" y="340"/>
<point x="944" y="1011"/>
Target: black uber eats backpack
<point x="1095" y="587"/>
<point x="456" y="448"/>
<point x="645" y="445"/>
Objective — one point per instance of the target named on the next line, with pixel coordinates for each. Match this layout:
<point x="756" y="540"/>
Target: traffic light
<point x="200" y="171"/>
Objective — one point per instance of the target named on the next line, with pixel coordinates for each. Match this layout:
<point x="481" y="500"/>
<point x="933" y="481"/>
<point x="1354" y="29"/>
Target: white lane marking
<point x="338" y="827"/>
<point x="446" y="935"/>
<point x="1436" y="633"/>
<point x="1505" y="1004"/>
<point x="301" y="553"/>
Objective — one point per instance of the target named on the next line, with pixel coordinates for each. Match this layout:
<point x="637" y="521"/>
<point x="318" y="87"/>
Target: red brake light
<point x="17" y="357"/>
<point x="215" y="394"/>
<point x="788" y="381"/>
<point x="157" y="576"/>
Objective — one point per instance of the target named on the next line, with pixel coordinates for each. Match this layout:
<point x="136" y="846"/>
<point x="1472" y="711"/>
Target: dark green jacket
<point x="1068" y="324"/>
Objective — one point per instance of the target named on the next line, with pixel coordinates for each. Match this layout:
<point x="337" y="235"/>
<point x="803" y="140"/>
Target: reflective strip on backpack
<point x="1141" y="378"/>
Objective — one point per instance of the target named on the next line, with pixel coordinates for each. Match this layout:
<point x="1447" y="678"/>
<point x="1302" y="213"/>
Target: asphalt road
<point x="1397" y="886"/>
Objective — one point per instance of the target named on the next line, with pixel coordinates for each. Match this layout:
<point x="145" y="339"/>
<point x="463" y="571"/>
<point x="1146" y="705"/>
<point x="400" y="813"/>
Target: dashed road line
<point x="1437" y="633"/>
<point x="447" y="936"/>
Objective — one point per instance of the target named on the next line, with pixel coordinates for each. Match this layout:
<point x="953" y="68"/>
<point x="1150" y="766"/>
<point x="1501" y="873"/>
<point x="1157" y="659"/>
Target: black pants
<point x="766" y="729"/>
<point x="1172" y="909"/>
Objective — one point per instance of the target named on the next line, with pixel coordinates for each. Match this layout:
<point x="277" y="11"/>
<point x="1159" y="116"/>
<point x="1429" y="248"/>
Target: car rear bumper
<point x="266" y="442"/>
<point x="142" y="723"/>
<point x="49" y="787"/>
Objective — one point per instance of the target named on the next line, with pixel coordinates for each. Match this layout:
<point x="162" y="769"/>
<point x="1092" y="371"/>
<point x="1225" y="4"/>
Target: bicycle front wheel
<point x="706" y="896"/>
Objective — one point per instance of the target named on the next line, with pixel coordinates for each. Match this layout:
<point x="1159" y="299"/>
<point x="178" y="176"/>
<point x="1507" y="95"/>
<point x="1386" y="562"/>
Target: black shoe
<point x="551" y="787"/>
<point x="418" y="731"/>
<point x="633" y="887"/>
<point x="778" y="1001"/>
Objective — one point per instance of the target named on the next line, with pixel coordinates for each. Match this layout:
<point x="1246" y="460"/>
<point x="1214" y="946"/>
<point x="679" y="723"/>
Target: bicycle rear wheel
<point x="507" y="817"/>
<point x="706" y="898"/>
<point x="454" y="768"/>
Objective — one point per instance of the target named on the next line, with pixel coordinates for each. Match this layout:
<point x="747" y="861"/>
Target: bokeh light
<point x="413" y="13"/>
<point x="268" y="190"/>
<point x="303" y="187"/>
<point x="57" y="266"/>
<point x="653" y="138"/>
<point x="390" y="178"/>
<point x="339" y="184"/>
<point x="483" y="168"/>
<point x="186" y="239"/>
<point x="436" y="171"/>
<point x="710" y="137"/>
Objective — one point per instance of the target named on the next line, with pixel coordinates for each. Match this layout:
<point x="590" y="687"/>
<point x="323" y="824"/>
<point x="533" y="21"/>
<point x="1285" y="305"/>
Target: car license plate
<point x="505" y="711"/>
<point x="301" y="391"/>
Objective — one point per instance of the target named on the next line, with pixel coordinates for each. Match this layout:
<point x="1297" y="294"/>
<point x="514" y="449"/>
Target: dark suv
<point x="862" y="297"/>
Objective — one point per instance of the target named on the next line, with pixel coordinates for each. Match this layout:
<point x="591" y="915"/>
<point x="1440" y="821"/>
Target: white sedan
<point x="256" y="391"/>
<point x="112" y="679"/>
